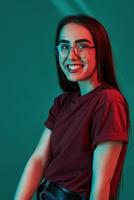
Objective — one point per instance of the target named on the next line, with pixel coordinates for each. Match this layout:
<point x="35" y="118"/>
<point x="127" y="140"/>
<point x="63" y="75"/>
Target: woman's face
<point x="75" y="66"/>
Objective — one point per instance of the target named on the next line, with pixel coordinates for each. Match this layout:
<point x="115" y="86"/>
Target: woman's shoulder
<point x="64" y="95"/>
<point x="110" y="93"/>
<point x="61" y="98"/>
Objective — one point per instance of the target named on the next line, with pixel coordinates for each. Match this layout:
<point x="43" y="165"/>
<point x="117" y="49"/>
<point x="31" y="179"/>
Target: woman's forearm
<point x="30" y="180"/>
<point x="100" y="192"/>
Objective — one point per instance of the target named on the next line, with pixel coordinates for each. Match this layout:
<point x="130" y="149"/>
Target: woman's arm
<point x="35" y="167"/>
<point x="104" y="162"/>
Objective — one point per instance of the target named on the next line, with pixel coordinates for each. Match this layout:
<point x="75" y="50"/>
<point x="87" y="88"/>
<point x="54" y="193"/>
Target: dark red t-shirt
<point x="78" y="124"/>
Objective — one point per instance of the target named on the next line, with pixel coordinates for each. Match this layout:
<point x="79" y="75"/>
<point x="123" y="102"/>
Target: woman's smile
<point x="74" y="68"/>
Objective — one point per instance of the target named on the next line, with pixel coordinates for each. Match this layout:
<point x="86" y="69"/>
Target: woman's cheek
<point x="61" y="65"/>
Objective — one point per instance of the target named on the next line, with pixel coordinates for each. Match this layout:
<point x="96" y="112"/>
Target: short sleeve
<point x="110" y="122"/>
<point x="52" y="115"/>
<point x="54" y="111"/>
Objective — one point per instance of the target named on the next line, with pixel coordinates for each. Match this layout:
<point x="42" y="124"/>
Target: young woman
<point x="83" y="147"/>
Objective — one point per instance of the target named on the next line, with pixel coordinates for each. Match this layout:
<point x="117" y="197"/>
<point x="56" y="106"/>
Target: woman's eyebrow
<point x="76" y="41"/>
<point x="64" y="41"/>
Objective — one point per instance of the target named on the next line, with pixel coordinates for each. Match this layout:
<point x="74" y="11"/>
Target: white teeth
<point x="72" y="67"/>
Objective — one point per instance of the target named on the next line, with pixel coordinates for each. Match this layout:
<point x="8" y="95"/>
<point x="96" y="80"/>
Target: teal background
<point x="28" y="82"/>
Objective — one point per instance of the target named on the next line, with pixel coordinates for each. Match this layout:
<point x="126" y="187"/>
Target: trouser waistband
<point x="58" y="191"/>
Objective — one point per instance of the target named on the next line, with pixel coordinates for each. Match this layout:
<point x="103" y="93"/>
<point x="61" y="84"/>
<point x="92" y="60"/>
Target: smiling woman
<point x="81" y="153"/>
<point x="78" y="61"/>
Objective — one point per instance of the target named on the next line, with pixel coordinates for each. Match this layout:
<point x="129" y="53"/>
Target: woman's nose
<point x="72" y="54"/>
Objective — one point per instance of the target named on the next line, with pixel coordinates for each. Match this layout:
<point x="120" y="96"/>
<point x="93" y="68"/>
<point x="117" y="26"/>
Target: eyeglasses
<point x="80" y="49"/>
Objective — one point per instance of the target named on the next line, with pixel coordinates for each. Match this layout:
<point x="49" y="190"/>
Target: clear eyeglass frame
<point x="82" y="52"/>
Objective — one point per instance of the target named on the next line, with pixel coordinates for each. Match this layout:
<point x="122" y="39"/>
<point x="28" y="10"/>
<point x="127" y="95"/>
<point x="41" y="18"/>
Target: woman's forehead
<point x="75" y="31"/>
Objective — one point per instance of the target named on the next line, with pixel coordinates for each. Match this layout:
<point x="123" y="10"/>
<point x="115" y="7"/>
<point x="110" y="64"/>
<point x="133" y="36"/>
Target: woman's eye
<point x="81" y="46"/>
<point x="64" y="46"/>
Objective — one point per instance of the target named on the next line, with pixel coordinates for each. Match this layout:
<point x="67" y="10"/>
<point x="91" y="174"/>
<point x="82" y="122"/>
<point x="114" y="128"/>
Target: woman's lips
<point x="73" y="68"/>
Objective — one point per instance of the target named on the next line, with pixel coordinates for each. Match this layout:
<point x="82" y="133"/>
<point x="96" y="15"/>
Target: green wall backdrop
<point x="28" y="81"/>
